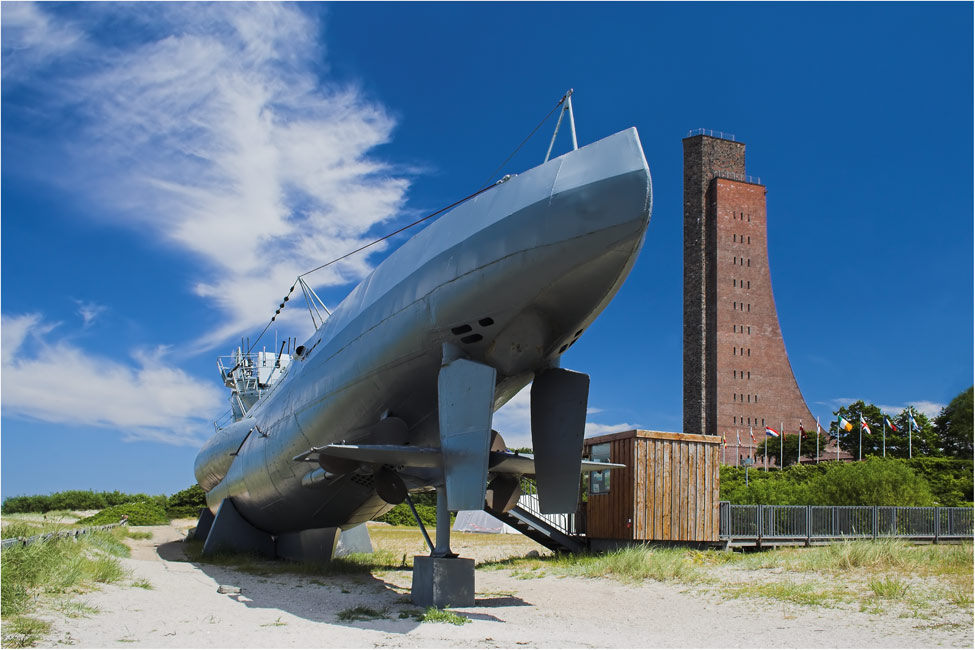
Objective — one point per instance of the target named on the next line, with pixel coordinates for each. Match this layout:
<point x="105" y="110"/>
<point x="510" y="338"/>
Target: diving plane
<point x="395" y="391"/>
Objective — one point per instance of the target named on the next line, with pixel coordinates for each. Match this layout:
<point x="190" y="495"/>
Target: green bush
<point x="950" y="479"/>
<point x="874" y="481"/>
<point x="186" y="503"/>
<point x="74" y="500"/>
<point x="400" y="515"/>
<point x="142" y="513"/>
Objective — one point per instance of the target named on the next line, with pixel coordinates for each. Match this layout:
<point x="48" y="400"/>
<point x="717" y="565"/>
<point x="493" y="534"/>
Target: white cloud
<point x="929" y="408"/>
<point x="212" y="127"/>
<point x="513" y="421"/>
<point x="55" y="381"/>
<point x="89" y="311"/>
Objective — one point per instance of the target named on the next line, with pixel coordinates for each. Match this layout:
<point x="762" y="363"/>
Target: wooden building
<point x="668" y="490"/>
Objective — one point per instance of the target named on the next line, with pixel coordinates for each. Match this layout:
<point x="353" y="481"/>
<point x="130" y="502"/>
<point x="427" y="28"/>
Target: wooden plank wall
<point x="607" y="514"/>
<point x="667" y="492"/>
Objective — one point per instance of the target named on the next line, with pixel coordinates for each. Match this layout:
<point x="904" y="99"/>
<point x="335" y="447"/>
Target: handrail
<point x="712" y="133"/>
<point x="809" y="523"/>
<point x="740" y="178"/>
<point x="43" y="537"/>
<point x="528" y="501"/>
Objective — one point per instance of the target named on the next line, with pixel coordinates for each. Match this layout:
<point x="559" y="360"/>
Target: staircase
<point x="554" y="532"/>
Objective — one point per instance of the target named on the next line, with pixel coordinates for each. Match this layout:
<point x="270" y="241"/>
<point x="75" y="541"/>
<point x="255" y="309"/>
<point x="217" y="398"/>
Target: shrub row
<point x="142" y="513"/>
<point x="875" y="481"/>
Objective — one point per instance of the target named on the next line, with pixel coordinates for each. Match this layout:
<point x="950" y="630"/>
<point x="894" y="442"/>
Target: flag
<point x="864" y="425"/>
<point x="751" y="432"/>
<point x="913" y="421"/>
<point x="890" y="425"/>
<point x="738" y="435"/>
<point x="846" y="426"/>
<point x="802" y="432"/>
<point x="769" y="431"/>
<point x="724" y="439"/>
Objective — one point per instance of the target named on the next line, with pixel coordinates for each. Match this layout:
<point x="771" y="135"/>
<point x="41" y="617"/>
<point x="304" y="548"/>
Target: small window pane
<point x="599" y="481"/>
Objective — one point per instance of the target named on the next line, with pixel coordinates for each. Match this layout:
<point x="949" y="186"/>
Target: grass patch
<point x="804" y="593"/>
<point x="362" y="613"/>
<point x="58" y="566"/>
<point x="139" y="534"/>
<point x="142" y="583"/>
<point x="630" y="564"/>
<point x="276" y="623"/>
<point x="888" y="587"/>
<point x="24" y="632"/>
<point x="434" y="615"/>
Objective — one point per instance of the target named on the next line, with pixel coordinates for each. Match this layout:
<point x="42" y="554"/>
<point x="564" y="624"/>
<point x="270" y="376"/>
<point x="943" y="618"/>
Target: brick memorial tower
<point x="736" y="371"/>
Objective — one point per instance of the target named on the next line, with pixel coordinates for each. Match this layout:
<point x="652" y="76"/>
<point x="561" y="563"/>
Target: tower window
<point x="749" y="239"/>
<point x="749" y="284"/>
<point x="749" y="261"/>
<point x="735" y="351"/>
<point x="756" y="399"/>
<point x="734" y="237"/>
<point x="749" y="374"/>
<point x="749" y="352"/>
<point x="749" y="399"/>
<point x="735" y="374"/>
<point x="749" y="307"/>
<point x="734" y="397"/>
<point x="749" y="329"/>
<point x="736" y="305"/>
<point x="735" y="260"/>
<point x="734" y="282"/>
<point x="734" y="420"/>
<point x="763" y="422"/>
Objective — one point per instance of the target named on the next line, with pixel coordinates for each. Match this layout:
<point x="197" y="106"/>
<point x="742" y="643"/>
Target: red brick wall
<point x="754" y="381"/>
<point x="736" y="370"/>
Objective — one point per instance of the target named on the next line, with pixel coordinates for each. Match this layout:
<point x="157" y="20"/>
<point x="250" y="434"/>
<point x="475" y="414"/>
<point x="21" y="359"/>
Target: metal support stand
<point x="442" y="579"/>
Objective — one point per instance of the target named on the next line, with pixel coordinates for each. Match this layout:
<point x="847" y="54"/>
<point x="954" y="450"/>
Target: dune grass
<point x="55" y="568"/>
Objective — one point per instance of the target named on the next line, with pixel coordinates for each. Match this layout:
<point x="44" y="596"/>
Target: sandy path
<point x="184" y="610"/>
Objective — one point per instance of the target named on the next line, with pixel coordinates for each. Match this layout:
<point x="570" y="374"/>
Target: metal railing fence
<point x="529" y="502"/>
<point x="812" y="523"/>
<point x="60" y="534"/>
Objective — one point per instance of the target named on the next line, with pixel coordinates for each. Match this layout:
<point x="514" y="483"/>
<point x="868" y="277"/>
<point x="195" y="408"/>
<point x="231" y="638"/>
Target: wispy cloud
<point x="89" y="311"/>
<point x="213" y="127"/>
<point x="52" y="380"/>
<point x="929" y="408"/>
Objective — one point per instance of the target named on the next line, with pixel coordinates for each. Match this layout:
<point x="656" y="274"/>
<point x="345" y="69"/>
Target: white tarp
<point x="478" y="521"/>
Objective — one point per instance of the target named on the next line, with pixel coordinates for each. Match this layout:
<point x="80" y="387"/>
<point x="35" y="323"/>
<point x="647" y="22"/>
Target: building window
<point x="749" y="352"/>
<point x="749" y="239"/>
<point x="735" y="351"/>
<point x="749" y="284"/>
<point x="734" y="282"/>
<point x="734" y="420"/>
<point x="749" y="307"/>
<point x="749" y="261"/>
<point x="749" y="374"/>
<point x="749" y="420"/>
<point x="599" y="481"/>
<point x="749" y="329"/>
<point x="756" y="399"/>
<point x="749" y="399"/>
<point x="763" y="422"/>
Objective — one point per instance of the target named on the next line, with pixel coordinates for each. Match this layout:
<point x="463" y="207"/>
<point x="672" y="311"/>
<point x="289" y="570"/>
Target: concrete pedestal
<point x="443" y="581"/>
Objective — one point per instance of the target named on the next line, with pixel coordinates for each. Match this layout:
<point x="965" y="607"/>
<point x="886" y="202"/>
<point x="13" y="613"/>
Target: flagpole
<point x="817" y="441"/>
<point x="766" y="451"/>
<point x="860" y="456"/>
<point x="910" y="427"/>
<point x="737" y="448"/>
<point x="781" y="447"/>
<point x="799" y="455"/>
<point x="838" y="427"/>
<point x="883" y="417"/>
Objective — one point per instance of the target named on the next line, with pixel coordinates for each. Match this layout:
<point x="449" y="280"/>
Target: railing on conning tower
<point x="712" y="133"/>
<point x="741" y="178"/>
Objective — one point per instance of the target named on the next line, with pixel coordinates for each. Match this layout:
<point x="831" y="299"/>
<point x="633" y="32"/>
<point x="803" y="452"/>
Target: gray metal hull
<point x="512" y="278"/>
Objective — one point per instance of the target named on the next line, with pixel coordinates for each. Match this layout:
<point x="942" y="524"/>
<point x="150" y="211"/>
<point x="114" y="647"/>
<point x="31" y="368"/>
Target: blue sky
<point x="168" y="169"/>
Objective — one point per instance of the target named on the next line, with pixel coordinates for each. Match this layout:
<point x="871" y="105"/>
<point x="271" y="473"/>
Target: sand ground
<point x="184" y="610"/>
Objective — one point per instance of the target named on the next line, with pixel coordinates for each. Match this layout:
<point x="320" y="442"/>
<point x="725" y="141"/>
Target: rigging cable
<point x="408" y="226"/>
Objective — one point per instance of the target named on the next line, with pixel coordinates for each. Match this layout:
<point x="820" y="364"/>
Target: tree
<point x="874" y="482"/>
<point x="954" y="426"/>
<point x="922" y="441"/>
